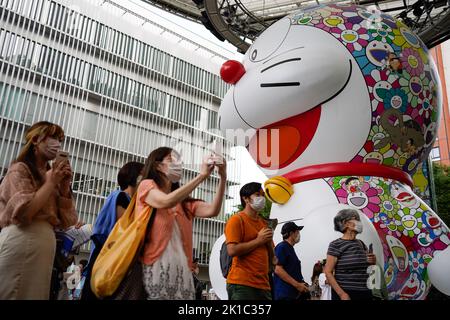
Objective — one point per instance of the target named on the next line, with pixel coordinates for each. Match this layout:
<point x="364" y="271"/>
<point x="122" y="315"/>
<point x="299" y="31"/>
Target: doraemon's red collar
<point x="347" y="169"/>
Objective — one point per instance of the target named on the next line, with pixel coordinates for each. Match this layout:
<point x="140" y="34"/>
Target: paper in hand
<point x="81" y="235"/>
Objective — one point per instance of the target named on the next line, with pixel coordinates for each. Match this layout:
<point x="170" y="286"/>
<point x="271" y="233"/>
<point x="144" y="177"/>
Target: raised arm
<point x="207" y="210"/>
<point x="159" y="199"/>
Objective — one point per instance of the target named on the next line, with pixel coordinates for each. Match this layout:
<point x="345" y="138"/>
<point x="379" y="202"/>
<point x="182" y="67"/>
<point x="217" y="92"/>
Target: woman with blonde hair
<point x="34" y="199"/>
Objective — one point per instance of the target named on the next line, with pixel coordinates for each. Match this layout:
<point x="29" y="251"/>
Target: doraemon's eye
<point x="269" y="41"/>
<point x="254" y="54"/>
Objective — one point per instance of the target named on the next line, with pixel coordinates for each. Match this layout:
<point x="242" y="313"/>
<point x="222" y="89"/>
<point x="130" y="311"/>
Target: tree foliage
<point x="441" y="175"/>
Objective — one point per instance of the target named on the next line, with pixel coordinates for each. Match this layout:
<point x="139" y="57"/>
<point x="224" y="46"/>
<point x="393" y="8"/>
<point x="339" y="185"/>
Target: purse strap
<point x="147" y="233"/>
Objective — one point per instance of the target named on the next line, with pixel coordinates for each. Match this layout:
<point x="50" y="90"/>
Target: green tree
<point x="441" y="175"/>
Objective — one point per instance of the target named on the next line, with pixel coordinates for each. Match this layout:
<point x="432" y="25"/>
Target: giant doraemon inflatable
<point x="353" y="99"/>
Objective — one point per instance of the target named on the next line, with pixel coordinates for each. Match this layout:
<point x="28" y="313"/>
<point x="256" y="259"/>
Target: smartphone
<point x="216" y="152"/>
<point x="371" y="248"/>
<point x="272" y="223"/>
<point x="61" y="156"/>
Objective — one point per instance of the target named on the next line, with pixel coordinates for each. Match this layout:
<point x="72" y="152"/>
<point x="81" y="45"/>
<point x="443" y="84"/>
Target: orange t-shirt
<point x="251" y="269"/>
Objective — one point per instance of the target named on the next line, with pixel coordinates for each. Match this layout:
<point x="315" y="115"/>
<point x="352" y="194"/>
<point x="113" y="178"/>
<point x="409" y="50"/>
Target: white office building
<point x="119" y="84"/>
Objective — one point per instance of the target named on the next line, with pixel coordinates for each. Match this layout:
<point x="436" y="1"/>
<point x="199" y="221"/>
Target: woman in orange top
<point x="167" y="257"/>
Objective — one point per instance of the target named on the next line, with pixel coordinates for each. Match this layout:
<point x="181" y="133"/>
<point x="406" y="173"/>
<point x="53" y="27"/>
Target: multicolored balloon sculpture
<point x="354" y="97"/>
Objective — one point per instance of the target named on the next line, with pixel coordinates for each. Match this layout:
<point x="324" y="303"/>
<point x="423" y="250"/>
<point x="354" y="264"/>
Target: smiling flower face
<point x="382" y="32"/>
<point x="412" y="62"/>
<point x="396" y="98"/>
<point x="306" y="18"/>
<point x="408" y="221"/>
<point x="354" y="36"/>
<point x="362" y="196"/>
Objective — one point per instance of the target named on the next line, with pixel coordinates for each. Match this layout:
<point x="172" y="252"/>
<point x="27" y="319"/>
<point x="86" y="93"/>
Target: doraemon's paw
<point x="438" y="271"/>
<point x="278" y="189"/>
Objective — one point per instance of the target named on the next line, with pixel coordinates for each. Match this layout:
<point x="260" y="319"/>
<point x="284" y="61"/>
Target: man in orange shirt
<point x="249" y="242"/>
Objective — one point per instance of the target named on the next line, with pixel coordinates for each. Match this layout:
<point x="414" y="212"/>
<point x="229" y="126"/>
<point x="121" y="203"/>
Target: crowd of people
<point x="341" y="276"/>
<point x="36" y="200"/>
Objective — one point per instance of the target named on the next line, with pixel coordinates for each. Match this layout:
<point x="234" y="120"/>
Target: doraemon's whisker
<point x="281" y="62"/>
<point x="283" y="53"/>
<point x="280" y="84"/>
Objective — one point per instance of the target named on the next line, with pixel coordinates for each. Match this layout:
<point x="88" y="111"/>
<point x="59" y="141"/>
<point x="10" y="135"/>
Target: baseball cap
<point x="290" y="227"/>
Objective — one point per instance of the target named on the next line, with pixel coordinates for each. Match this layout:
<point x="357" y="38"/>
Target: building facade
<point x="441" y="148"/>
<point x="119" y="84"/>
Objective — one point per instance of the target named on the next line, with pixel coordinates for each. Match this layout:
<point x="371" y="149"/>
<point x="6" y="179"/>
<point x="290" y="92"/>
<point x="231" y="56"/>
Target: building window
<point x="435" y="154"/>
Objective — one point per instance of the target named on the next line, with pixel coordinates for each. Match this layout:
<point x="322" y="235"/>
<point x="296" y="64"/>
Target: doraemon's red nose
<point x="232" y="71"/>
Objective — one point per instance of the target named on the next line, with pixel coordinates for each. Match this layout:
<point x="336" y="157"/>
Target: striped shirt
<point x="351" y="266"/>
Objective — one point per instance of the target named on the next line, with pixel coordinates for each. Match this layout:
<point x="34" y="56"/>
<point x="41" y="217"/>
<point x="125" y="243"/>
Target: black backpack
<point x="225" y="259"/>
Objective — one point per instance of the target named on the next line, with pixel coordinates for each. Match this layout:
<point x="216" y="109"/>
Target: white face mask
<point x="174" y="171"/>
<point x="53" y="145"/>
<point x="358" y="226"/>
<point x="258" y="203"/>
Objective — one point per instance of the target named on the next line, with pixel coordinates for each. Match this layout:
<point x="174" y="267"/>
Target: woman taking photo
<point x="34" y="199"/>
<point x="167" y="256"/>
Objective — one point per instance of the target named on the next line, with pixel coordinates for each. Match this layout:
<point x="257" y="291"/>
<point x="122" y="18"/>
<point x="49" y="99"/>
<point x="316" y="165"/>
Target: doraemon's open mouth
<point x="279" y="144"/>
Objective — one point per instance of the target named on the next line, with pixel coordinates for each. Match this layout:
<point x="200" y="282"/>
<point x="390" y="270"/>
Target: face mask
<point x="358" y="226"/>
<point x="53" y="145"/>
<point x="258" y="203"/>
<point x="174" y="172"/>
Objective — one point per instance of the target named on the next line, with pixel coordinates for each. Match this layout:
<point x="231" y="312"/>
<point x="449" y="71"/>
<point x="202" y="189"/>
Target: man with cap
<point x="288" y="278"/>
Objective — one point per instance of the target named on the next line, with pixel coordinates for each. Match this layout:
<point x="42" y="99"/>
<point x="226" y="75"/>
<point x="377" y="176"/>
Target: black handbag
<point x="132" y="286"/>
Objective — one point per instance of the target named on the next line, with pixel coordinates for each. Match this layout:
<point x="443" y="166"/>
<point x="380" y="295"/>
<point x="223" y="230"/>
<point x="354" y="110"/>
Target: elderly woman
<point x="348" y="259"/>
